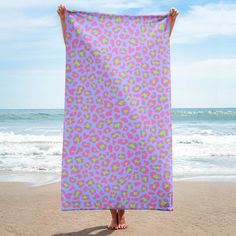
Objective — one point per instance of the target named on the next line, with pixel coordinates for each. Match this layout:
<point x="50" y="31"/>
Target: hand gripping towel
<point x="117" y="136"/>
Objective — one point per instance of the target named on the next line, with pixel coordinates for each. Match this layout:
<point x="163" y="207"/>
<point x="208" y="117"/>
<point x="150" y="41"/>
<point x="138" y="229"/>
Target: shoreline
<point x="35" y="179"/>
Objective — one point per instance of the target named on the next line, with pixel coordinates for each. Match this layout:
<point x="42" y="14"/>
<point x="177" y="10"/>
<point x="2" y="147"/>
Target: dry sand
<point x="200" y="208"/>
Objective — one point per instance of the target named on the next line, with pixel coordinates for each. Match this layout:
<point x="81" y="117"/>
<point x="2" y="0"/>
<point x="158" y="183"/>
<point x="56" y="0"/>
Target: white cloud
<point x="33" y="74"/>
<point x="199" y="22"/>
<point x="214" y="69"/>
<point x="25" y="3"/>
<point x="205" y="83"/>
<point x="20" y="31"/>
<point x="203" y="21"/>
<point x="17" y="22"/>
<point x="123" y="4"/>
<point x="85" y="4"/>
<point x="25" y="19"/>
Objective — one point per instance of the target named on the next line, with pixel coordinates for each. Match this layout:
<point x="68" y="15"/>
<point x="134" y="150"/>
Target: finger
<point x="176" y="13"/>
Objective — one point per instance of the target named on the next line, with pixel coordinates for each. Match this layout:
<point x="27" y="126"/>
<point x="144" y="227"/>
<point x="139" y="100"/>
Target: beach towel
<point x="117" y="135"/>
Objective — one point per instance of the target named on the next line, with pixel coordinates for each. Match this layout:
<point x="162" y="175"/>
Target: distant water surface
<point x="204" y="143"/>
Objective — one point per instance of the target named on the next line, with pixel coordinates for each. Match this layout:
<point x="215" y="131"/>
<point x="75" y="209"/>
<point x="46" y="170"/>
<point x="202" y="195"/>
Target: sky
<point x="202" y="50"/>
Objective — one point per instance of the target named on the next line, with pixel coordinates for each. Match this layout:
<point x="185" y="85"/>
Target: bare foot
<point x="114" y="223"/>
<point x="121" y="220"/>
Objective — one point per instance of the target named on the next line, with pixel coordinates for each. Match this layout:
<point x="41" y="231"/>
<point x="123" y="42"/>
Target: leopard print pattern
<point x="117" y="137"/>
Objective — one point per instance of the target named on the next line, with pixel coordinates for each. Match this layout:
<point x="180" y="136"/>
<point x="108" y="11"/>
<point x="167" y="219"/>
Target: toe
<point x="110" y="227"/>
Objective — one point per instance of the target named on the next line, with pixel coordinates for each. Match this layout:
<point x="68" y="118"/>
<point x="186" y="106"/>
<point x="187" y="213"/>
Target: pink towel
<point x="117" y="139"/>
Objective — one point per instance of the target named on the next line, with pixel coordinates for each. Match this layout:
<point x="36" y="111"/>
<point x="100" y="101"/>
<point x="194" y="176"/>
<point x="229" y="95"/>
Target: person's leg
<point x="114" y="220"/>
<point x="121" y="220"/>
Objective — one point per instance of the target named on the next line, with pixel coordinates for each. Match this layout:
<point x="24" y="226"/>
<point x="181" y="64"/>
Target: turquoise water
<point x="204" y="143"/>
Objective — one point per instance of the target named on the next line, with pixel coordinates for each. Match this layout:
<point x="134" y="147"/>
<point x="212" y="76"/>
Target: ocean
<point x="204" y="144"/>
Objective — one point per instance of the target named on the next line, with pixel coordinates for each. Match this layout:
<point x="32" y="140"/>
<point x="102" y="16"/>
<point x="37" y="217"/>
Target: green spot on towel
<point x="133" y="41"/>
<point x="163" y="202"/>
<point x="132" y="205"/>
<point x="151" y="33"/>
<point x="144" y="199"/>
<point x="81" y="54"/>
<point x="105" y="172"/>
<point x="163" y="98"/>
<point x="163" y="132"/>
<point x="118" y="19"/>
<point x="161" y="26"/>
<point x="74" y="169"/>
<point x="76" y="139"/>
<point x="95" y="32"/>
<point x="132" y="145"/>
<point x="114" y="167"/>
<point x="77" y="63"/>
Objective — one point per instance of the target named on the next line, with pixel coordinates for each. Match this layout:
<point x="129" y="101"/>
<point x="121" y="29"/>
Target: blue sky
<point x="203" y="49"/>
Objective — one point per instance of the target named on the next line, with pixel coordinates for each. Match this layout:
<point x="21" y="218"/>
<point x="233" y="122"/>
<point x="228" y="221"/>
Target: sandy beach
<point x="200" y="208"/>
